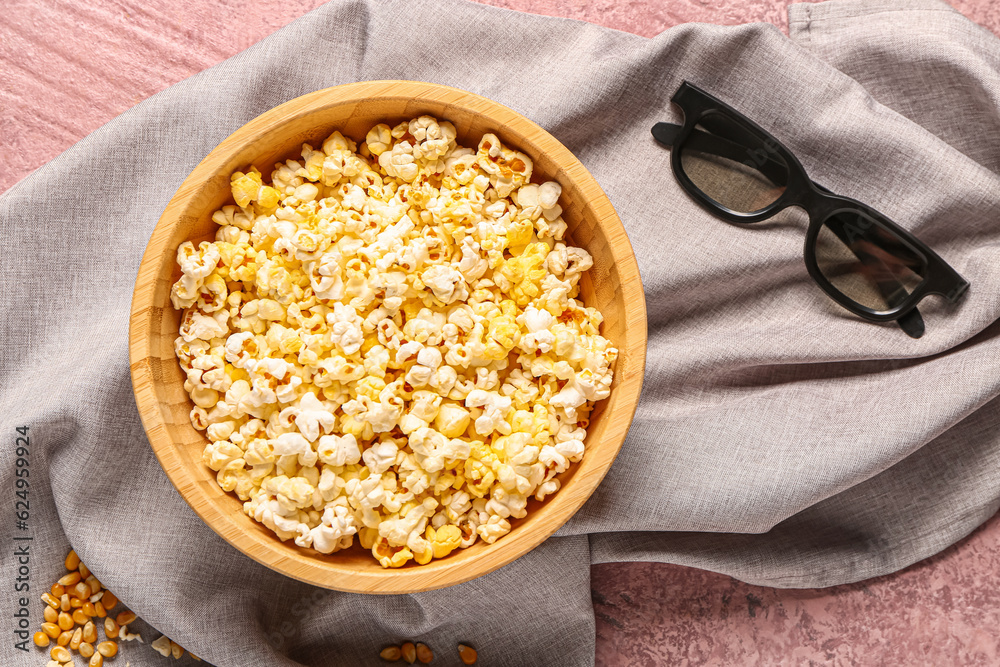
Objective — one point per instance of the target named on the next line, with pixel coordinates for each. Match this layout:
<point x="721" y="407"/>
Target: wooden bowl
<point x="613" y="287"/>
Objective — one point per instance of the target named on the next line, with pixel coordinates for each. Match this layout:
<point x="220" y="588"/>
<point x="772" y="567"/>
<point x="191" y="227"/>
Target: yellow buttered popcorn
<point x="384" y="343"/>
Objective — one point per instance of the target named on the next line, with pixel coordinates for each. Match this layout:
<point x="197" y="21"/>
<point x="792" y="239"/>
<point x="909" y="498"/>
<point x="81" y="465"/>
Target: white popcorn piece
<point x="408" y="530"/>
<point x="270" y="367"/>
<point x="219" y="454"/>
<point x="559" y="456"/>
<point x="428" y="360"/>
<point x="399" y="162"/>
<point x="493" y="529"/>
<point x="580" y="388"/>
<point x="452" y="420"/>
<point x="434" y="140"/>
<point x="367" y="496"/>
<point x="548" y="194"/>
<point x="380" y="456"/>
<point x="426" y="327"/>
<point x="335" y="532"/>
<point x="578" y="260"/>
<point x="293" y="444"/>
<point x="197" y="264"/>
<point x="220" y="430"/>
<point x="242" y="349"/>
<point x="446" y="282"/>
<point x="378" y="139"/>
<point x="572" y="448"/>
<point x="507" y="169"/>
<point x="429" y="448"/>
<point x="161" y="645"/>
<point x="339" y="450"/>
<point x="310" y="416"/>
<point x="472" y="265"/>
<point x="547" y="488"/>
<point x="199" y="326"/>
<point x="425" y="405"/>
<point x="527" y="196"/>
<point x="345" y="328"/>
<point x="495" y="409"/>
<point x="380" y="416"/>
<point x="505" y="504"/>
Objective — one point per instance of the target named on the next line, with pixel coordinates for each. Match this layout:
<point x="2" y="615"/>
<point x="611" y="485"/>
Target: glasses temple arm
<point x="712" y="144"/>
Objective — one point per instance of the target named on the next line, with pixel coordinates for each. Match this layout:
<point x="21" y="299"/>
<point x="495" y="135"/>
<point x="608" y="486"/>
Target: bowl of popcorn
<point x="387" y="337"/>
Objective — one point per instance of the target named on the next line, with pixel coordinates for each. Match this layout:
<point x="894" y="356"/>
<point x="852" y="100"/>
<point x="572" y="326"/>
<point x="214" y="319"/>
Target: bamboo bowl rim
<point x="308" y="565"/>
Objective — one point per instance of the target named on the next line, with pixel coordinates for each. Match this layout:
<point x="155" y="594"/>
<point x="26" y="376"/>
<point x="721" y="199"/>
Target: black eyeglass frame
<point x="820" y="205"/>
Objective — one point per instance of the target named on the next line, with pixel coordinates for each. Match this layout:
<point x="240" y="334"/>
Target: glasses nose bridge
<point x="818" y="202"/>
<point x="808" y="196"/>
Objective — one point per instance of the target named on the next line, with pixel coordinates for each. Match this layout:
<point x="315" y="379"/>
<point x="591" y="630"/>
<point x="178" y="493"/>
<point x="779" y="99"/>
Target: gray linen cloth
<point x="779" y="439"/>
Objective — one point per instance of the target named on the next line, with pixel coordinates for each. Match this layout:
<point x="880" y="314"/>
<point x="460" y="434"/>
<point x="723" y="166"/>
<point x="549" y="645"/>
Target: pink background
<point x="68" y="67"/>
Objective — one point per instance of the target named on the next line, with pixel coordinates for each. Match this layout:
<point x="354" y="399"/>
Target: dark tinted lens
<point x="866" y="262"/>
<point x="732" y="165"/>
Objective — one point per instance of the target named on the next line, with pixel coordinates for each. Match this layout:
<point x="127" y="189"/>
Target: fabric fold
<point x="950" y="85"/>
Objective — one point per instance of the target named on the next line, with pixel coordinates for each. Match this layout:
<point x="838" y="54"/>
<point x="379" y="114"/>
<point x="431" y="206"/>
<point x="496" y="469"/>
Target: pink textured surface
<point x="942" y="611"/>
<point x="66" y="68"/>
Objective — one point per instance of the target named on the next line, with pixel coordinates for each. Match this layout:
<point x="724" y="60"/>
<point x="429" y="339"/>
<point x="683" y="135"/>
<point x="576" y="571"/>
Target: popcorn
<point x="213" y="293"/>
<point x="421" y="373"/>
<point x="310" y="416"/>
<point x="494" y="528"/>
<point x="430" y="449"/>
<point x="407" y="530"/>
<point x="326" y="277"/>
<point x="559" y="456"/>
<point x="197" y="264"/>
<point x="378" y="139"/>
<point x="548" y="195"/>
<point x="495" y="408"/>
<point x="199" y="326"/>
<point x="380" y="416"/>
<point x="446" y="282"/>
<point x="434" y="140"/>
<point x="293" y="444"/>
<point x="217" y="455"/>
<point x="399" y="162"/>
<point x="452" y="420"/>
<point x="338" y="450"/>
<point x="249" y="188"/>
<point x="220" y="430"/>
<point x="507" y="169"/>
<point x="381" y="456"/>
<point x="345" y="328"/>
<point x="504" y="503"/>
<point x="388" y="344"/>
<point x="335" y="532"/>
<point x="444" y="539"/>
